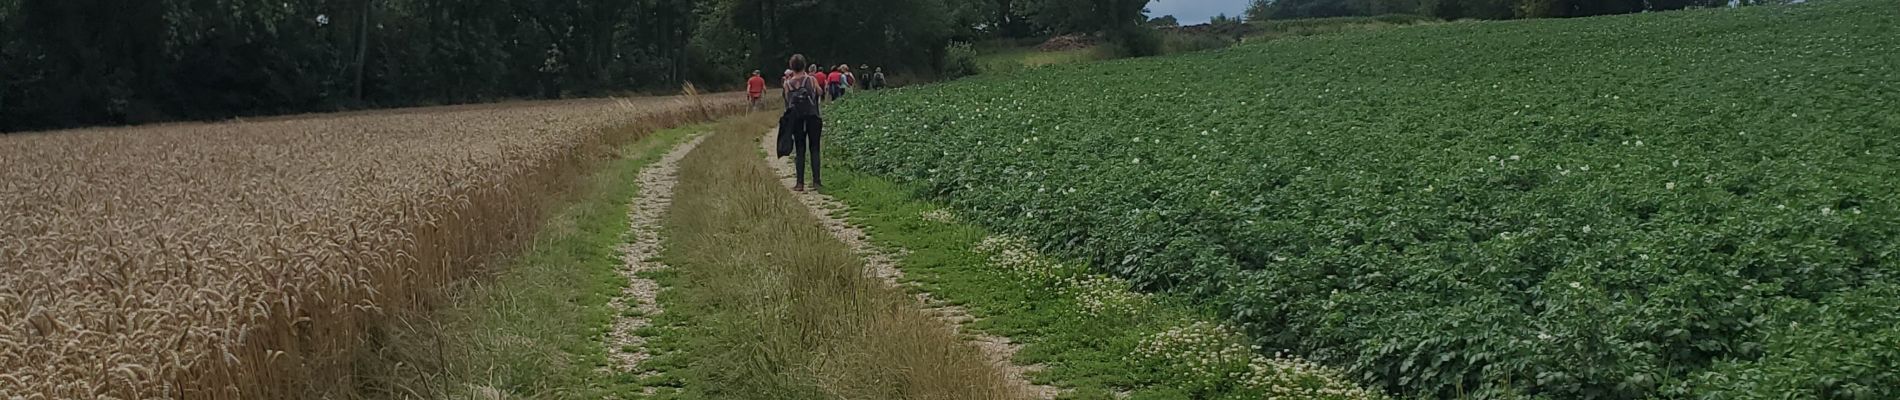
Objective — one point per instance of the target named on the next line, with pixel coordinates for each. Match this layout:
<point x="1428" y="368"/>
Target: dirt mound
<point x="1067" y="42"/>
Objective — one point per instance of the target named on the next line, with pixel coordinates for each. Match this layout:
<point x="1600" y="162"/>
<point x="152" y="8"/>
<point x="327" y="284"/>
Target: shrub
<point x="1134" y="41"/>
<point x="959" y="60"/>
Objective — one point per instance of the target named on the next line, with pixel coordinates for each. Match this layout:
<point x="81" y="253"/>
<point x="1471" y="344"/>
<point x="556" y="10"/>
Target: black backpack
<point x="802" y="100"/>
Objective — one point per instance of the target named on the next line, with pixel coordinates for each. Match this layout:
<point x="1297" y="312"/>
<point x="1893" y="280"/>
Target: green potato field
<point x="1698" y="204"/>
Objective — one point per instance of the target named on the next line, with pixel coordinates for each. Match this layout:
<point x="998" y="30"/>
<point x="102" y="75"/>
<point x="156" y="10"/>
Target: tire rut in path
<point x="644" y="213"/>
<point x="881" y="264"/>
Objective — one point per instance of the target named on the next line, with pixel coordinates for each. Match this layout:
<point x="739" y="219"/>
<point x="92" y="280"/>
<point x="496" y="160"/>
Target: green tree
<point x="1165" y="21"/>
<point x="1258" y="10"/>
<point x="85" y="62"/>
<point x="1087" y="15"/>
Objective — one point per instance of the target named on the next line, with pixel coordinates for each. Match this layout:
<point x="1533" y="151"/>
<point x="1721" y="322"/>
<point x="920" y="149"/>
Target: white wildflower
<point x="938" y="215"/>
<point x="1670" y="186"/>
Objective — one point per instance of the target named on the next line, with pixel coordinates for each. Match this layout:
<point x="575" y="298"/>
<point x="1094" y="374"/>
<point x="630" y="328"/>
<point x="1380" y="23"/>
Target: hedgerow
<point x="1685" y="204"/>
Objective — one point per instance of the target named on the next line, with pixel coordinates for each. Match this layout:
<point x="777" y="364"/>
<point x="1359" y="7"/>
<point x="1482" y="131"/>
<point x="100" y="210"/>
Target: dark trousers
<point x="806" y="132"/>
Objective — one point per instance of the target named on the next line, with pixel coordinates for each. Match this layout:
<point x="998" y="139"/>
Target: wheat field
<point x="251" y="259"/>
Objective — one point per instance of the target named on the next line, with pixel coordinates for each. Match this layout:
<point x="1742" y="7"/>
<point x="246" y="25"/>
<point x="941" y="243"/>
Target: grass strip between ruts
<point x="761" y="302"/>
<point x="534" y="329"/>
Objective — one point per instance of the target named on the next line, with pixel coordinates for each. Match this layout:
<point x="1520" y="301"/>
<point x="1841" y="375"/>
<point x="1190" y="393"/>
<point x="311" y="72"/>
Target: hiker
<point x="802" y="96"/>
<point x="830" y="76"/>
<point x="877" y="80"/>
<point x="864" y="84"/>
<point x="819" y="75"/>
<point x="845" y="81"/>
<point x="755" y="90"/>
<point x="831" y="82"/>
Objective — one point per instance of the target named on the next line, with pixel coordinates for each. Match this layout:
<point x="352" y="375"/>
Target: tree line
<point x="1260" y="10"/>
<point x="69" y="63"/>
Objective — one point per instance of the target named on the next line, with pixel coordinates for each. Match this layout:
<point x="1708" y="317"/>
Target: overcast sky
<point x="1191" y="12"/>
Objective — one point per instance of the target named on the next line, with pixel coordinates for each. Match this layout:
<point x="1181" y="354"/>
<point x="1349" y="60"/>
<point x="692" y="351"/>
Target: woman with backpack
<point x="802" y="95"/>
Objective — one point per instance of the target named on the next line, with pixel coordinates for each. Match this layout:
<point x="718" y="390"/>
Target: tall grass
<point x="768" y="305"/>
<point x="998" y="61"/>
<point x="1274" y="29"/>
<point x="255" y="260"/>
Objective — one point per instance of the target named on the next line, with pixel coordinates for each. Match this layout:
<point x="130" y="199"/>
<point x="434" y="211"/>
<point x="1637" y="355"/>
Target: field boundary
<point x="537" y="327"/>
<point x="1100" y="339"/>
<point x="762" y="302"/>
<point x="882" y="264"/>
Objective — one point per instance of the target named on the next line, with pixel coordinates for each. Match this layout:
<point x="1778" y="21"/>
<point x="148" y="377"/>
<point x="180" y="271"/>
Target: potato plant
<point x="1696" y="204"/>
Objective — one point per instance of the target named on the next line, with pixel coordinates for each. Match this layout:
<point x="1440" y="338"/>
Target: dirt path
<point x="636" y="306"/>
<point x="882" y="265"/>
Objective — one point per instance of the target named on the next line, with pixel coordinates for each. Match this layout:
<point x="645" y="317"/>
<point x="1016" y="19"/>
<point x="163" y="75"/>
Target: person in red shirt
<point x="837" y="82"/>
<point x="755" y="89"/>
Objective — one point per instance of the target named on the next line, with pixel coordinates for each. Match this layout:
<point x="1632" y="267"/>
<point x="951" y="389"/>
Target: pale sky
<point x="1191" y="12"/>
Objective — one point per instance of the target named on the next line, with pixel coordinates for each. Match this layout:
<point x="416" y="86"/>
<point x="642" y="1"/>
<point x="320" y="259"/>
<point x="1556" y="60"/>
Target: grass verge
<point x="1006" y="60"/>
<point x="762" y="303"/>
<point x="1279" y="29"/>
<point x="534" y="329"/>
<point x="1097" y="339"/>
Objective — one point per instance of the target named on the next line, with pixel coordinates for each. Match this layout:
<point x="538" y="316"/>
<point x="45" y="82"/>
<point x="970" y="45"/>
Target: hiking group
<point x="801" y="127"/>
<point x="833" y="84"/>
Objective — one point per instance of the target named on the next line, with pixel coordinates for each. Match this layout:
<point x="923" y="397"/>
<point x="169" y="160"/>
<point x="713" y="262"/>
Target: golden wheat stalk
<point x="250" y="260"/>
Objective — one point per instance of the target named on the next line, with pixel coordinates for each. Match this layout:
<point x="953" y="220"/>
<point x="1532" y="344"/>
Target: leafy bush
<point x="1134" y="41"/>
<point x="959" y="60"/>
<point x="1491" y="210"/>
